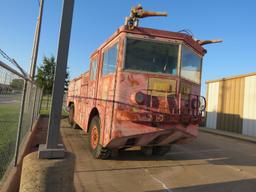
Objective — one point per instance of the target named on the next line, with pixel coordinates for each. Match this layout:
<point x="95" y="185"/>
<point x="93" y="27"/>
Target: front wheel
<point x="97" y="150"/>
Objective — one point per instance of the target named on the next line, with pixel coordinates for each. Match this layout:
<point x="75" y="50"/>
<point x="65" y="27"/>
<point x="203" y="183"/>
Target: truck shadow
<point x="212" y="157"/>
<point x="248" y="185"/>
<point x="228" y="152"/>
<point x="206" y="149"/>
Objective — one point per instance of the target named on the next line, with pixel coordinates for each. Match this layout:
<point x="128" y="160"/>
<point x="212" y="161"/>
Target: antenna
<point x="138" y="13"/>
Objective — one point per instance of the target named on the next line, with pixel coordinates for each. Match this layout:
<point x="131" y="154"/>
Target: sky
<point x="233" y="21"/>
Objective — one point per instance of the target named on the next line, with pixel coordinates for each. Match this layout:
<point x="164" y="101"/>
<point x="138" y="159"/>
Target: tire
<point x="160" y="150"/>
<point x="97" y="150"/>
<point x="71" y="120"/>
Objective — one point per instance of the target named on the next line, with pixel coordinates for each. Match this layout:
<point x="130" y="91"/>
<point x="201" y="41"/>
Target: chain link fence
<point x="16" y="117"/>
<point x="46" y="104"/>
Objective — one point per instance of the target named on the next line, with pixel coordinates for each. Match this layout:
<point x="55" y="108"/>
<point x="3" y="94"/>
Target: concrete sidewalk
<point x="211" y="163"/>
<point x="228" y="134"/>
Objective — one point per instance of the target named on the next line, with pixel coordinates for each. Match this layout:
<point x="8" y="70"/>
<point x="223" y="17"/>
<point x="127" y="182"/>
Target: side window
<point x="109" y="60"/>
<point x="94" y="69"/>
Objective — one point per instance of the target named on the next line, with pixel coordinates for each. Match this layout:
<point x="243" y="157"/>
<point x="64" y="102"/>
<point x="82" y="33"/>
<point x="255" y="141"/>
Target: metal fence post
<point x="52" y="149"/>
<point x="33" y="110"/>
<point x="39" y="101"/>
<point x="20" y="123"/>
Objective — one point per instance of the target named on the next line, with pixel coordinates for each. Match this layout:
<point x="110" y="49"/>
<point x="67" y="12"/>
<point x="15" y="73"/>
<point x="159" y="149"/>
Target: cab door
<point x="106" y="88"/>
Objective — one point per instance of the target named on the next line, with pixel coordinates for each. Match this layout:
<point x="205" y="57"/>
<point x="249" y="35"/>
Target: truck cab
<point x="142" y="89"/>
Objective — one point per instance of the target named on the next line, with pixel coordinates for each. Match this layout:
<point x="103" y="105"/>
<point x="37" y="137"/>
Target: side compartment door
<point x="84" y="107"/>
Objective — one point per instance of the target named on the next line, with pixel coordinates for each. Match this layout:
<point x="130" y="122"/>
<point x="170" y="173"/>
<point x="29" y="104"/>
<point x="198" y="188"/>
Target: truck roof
<point x="80" y="76"/>
<point x="188" y="39"/>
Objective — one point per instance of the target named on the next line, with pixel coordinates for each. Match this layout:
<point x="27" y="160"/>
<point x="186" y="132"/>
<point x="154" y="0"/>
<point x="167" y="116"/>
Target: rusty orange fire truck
<point x="142" y="89"/>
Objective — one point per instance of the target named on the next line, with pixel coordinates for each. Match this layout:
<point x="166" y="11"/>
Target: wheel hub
<point x="94" y="137"/>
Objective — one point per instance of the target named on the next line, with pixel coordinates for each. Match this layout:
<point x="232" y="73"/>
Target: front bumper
<point x="154" y="117"/>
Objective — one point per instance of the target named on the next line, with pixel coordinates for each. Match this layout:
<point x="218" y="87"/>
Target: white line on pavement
<point x="159" y="181"/>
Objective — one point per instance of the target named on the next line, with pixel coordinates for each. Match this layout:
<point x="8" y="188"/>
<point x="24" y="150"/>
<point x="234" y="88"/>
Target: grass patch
<point x="9" y="116"/>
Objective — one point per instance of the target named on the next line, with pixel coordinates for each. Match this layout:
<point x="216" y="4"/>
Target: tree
<point x="45" y="75"/>
<point x="17" y="84"/>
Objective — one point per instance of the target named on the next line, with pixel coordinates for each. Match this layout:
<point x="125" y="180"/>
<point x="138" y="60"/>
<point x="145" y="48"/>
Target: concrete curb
<point x="228" y="134"/>
<point x="11" y="178"/>
<point x="47" y="175"/>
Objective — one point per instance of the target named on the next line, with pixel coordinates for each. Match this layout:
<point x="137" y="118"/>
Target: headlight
<point x="138" y="98"/>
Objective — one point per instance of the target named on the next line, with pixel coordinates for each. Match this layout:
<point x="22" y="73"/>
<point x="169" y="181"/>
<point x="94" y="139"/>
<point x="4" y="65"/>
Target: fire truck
<point x="142" y="89"/>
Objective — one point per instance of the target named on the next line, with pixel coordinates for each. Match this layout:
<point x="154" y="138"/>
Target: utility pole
<point x="34" y="59"/>
<point x="53" y="149"/>
<point x="36" y="41"/>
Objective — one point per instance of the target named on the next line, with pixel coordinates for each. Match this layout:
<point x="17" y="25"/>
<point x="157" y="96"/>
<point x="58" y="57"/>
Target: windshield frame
<point x="201" y="63"/>
<point x="180" y="44"/>
<point x="158" y="40"/>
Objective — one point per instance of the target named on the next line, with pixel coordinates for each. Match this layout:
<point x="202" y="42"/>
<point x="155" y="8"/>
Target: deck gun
<point x="137" y="13"/>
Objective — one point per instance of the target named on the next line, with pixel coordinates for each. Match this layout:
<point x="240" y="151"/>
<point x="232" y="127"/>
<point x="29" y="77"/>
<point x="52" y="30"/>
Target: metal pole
<point x="20" y="123"/>
<point x="35" y="48"/>
<point x="52" y="149"/>
<point x="36" y="41"/>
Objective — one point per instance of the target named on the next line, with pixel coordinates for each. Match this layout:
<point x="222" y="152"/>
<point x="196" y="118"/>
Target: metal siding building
<point x="231" y="104"/>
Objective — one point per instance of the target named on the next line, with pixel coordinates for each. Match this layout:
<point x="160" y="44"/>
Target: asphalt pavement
<point x="7" y="99"/>
<point x="212" y="163"/>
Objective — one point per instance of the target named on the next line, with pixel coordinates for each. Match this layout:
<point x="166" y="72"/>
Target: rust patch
<point x="117" y="134"/>
<point x="133" y="81"/>
<point x="122" y="78"/>
<point x="185" y="88"/>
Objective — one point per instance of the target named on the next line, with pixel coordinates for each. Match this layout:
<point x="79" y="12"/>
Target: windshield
<point x="190" y="65"/>
<point x="151" y="56"/>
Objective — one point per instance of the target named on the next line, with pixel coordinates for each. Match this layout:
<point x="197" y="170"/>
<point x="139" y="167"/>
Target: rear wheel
<point x="71" y="117"/>
<point x="98" y="151"/>
<point x="160" y="150"/>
